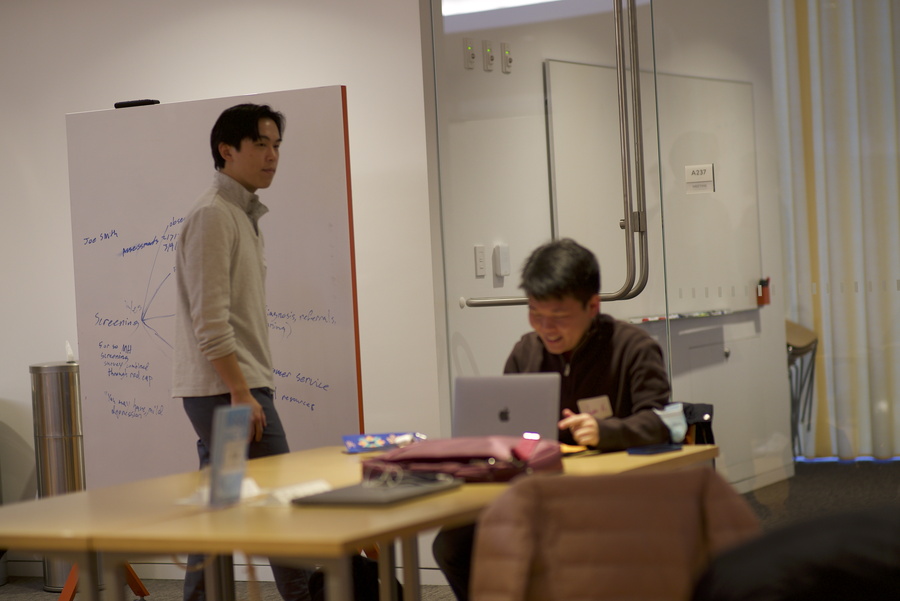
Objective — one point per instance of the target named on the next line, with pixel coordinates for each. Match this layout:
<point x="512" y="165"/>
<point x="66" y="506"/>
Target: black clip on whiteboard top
<point x="129" y="103"/>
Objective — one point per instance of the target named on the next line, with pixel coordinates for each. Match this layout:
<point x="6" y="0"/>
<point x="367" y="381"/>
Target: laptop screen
<point x="510" y="405"/>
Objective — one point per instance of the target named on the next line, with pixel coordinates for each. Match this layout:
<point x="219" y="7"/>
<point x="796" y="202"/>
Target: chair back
<point x="624" y="537"/>
<point x="699" y="418"/>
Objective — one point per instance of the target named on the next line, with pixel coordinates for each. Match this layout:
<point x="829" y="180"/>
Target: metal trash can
<point x="58" y="443"/>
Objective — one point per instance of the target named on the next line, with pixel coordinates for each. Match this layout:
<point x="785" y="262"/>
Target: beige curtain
<point x="838" y="92"/>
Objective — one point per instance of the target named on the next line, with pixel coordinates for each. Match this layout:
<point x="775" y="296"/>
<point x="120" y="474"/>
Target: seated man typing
<point x="612" y="369"/>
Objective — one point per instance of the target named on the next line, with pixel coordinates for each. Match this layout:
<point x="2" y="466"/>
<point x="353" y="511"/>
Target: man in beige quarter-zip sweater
<point x="222" y="354"/>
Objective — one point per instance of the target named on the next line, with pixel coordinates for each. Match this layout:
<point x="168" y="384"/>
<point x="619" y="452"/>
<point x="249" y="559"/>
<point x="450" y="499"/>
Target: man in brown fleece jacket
<point x="613" y="373"/>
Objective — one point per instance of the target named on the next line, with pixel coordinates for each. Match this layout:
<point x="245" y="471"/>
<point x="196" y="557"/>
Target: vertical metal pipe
<point x="640" y="210"/>
<point x="625" y="146"/>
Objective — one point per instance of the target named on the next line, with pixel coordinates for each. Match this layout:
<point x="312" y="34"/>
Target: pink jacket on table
<point x="622" y="537"/>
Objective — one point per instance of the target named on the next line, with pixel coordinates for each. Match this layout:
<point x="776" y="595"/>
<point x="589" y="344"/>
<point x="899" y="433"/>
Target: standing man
<point x="613" y="374"/>
<point x="222" y="354"/>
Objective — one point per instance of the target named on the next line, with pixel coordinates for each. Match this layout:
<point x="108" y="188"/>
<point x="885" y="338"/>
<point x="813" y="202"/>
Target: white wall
<point x="63" y="57"/>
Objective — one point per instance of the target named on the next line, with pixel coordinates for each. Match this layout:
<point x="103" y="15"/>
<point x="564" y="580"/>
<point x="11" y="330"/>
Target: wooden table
<point x="143" y="519"/>
<point x="307" y="535"/>
<point x="617" y="463"/>
<point x="65" y="525"/>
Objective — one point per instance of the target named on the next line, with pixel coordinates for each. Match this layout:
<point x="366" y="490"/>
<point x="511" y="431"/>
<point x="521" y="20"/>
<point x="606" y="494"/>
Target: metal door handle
<point x="635" y="221"/>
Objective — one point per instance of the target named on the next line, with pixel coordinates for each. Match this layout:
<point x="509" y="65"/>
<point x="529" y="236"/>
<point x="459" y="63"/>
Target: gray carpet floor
<point x="819" y="489"/>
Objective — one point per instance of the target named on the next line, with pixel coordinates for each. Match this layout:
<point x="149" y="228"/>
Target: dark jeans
<point x="292" y="583"/>
<point x="452" y="550"/>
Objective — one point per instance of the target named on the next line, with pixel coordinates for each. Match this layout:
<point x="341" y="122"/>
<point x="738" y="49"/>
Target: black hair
<point x="239" y="123"/>
<point x="561" y="268"/>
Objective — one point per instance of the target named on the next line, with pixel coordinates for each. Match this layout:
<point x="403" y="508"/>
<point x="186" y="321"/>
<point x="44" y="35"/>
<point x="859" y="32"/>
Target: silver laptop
<point x="511" y="404"/>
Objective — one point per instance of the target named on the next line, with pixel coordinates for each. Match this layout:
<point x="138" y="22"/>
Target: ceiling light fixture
<point x="464" y="7"/>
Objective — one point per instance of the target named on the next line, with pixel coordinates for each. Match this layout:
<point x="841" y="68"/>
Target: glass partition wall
<point x="645" y="131"/>
<point x="767" y="201"/>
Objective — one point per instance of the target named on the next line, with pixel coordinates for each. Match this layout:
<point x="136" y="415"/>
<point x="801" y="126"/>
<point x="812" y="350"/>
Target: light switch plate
<point x="487" y="52"/>
<point x="469" y="53"/>
<point x="506" y="57"/>
<point x="480" y="264"/>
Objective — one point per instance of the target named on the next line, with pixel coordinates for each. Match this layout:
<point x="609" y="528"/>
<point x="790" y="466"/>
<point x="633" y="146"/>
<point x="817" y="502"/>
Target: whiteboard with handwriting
<point x="133" y="175"/>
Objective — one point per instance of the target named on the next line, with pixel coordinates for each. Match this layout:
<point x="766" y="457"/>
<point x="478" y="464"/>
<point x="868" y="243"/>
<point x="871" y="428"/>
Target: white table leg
<point x="411" y="586"/>
<point x="219" y="578"/>
<point x="338" y="579"/>
<point x="387" y="578"/>
<point x="88" y="583"/>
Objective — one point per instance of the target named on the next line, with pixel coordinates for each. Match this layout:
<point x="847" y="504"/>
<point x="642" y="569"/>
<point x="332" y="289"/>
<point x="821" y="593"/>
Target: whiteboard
<point x="133" y="175"/>
<point x="710" y="239"/>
